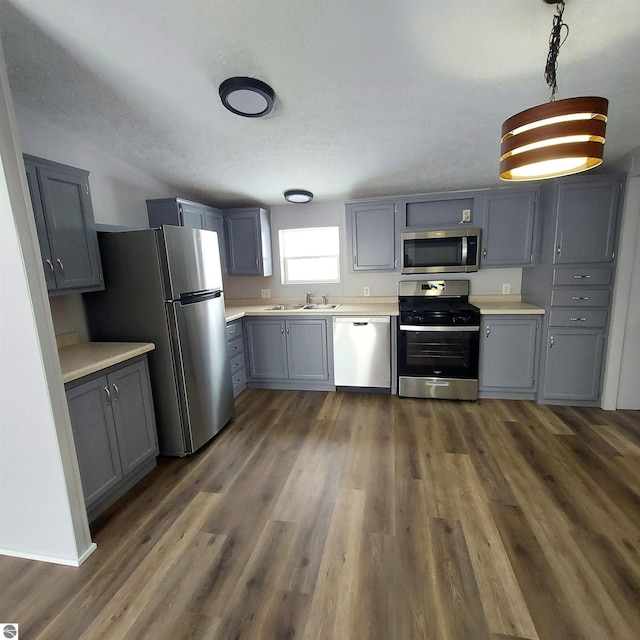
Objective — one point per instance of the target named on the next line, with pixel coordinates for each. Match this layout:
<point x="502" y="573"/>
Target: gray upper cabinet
<point x="508" y="228"/>
<point x="439" y="211"/>
<point x="249" y="241"/>
<point x="508" y="356"/>
<point x="66" y="229"/>
<point x="184" y="213"/>
<point x="371" y="236"/>
<point x="586" y="212"/>
<point x="114" y="431"/>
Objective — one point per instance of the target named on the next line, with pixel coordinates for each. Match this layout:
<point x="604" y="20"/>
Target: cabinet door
<point x="243" y="233"/>
<point x="95" y="437"/>
<point x="573" y="364"/>
<point x="191" y="215"/>
<point x="214" y="221"/>
<point x="266" y="349"/>
<point x="372" y="236"/>
<point x="72" y="236"/>
<point x="41" y="226"/>
<point x="586" y="221"/>
<point x="133" y="414"/>
<point x="307" y="350"/>
<point x="508" y="227"/>
<point x="508" y="353"/>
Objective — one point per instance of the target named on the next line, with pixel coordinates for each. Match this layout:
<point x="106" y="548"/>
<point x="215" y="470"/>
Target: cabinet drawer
<point x="579" y="297"/>
<point x="570" y="317"/>
<point x="582" y="276"/>
<point x="234" y="330"/>
<point x="239" y="380"/>
<point x="236" y="347"/>
<point x="237" y="363"/>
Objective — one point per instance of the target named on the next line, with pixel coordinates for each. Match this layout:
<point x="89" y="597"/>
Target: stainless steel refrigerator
<point x="165" y="286"/>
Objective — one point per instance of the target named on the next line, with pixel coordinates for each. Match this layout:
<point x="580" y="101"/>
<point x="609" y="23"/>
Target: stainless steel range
<point x="438" y="340"/>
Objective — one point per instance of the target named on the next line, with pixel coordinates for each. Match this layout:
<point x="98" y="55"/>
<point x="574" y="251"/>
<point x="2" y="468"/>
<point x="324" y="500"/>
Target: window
<point x="310" y="255"/>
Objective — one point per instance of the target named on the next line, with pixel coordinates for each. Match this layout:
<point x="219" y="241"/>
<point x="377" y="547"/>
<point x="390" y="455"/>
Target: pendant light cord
<point x="555" y="42"/>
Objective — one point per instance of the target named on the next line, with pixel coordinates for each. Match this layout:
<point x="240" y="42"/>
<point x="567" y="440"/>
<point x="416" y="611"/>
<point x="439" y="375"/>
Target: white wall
<point x="42" y="511"/>
<point x="290" y="216"/>
<point x="118" y="190"/>
<point x="622" y="371"/>
<point x="118" y="194"/>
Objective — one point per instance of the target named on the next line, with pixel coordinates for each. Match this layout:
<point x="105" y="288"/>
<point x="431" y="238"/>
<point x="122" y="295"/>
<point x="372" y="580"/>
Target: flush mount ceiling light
<point x="558" y="138"/>
<point x="247" y="97"/>
<point x="298" y="196"/>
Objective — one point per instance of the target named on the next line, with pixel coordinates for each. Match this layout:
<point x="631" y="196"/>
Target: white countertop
<point x="236" y="309"/>
<point x="83" y="358"/>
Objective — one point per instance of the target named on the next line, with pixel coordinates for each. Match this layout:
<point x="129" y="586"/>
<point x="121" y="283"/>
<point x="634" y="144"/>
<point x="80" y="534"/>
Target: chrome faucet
<point x="308" y="297"/>
<point x="325" y="299"/>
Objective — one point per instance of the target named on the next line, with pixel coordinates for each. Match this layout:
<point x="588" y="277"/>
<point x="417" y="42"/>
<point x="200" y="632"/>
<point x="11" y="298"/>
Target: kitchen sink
<point x="322" y="307"/>
<point x="284" y="307"/>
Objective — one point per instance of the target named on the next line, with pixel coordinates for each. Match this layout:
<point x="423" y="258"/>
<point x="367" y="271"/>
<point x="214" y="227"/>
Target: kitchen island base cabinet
<point x="114" y="431"/>
<point x="508" y="357"/>
<point x="288" y="353"/>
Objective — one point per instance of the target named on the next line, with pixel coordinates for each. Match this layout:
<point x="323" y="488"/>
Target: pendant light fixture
<point x="560" y="137"/>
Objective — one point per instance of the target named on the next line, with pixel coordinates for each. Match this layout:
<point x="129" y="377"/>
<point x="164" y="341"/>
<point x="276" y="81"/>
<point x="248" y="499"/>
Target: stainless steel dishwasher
<point x="362" y="352"/>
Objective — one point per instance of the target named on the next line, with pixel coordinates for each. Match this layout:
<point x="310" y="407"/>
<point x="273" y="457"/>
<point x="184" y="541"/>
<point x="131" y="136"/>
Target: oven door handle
<point x="450" y="328"/>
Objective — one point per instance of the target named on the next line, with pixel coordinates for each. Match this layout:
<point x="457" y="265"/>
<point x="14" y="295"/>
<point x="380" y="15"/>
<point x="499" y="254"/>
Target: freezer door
<point x="191" y="260"/>
<point x="203" y="372"/>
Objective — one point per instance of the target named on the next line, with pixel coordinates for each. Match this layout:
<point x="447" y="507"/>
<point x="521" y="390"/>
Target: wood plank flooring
<point x="332" y="516"/>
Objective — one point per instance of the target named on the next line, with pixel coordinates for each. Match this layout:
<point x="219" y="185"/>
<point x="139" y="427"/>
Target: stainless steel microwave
<point x="447" y="251"/>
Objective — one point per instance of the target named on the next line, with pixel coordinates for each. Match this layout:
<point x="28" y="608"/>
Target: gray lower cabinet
<point x="114" y="431"/>
<point x="508" y="228"/>
<point x="508" y="356"/>
<point x="67" y="236"/>
<point x="573" y="365"/>
<point x="371" y="236"/>
<point x="249" y="241"/>
<point x="185" y="213"/>
<point x="235" y="339"/>
<point x="289" y="352"/>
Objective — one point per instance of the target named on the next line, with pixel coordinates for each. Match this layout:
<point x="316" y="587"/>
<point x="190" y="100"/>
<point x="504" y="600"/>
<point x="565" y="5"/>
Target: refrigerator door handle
<point x="199" y="296"/>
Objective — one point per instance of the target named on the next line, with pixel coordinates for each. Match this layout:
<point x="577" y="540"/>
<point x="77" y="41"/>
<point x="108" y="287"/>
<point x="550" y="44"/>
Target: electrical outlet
<point x="265" y="293"/>
<point x="466" y="215"/>
<point x="506" y="288"/>
<point x="367" y="291"/>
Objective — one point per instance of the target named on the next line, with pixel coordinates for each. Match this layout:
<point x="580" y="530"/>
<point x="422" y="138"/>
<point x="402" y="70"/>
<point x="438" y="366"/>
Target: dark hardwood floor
<point x="335" y="516"/>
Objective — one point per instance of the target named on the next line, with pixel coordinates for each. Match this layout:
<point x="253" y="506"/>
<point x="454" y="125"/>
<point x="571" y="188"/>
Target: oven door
<point x="438" y="351"/>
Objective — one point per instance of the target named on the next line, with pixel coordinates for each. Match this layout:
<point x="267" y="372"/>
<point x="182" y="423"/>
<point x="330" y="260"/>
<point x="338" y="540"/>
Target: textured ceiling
<point x="373" y="97"/>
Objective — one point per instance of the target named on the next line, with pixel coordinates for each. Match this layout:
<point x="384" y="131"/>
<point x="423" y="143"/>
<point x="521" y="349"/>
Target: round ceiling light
<point x="247" y="97"/>
<point x="298" y="196"/>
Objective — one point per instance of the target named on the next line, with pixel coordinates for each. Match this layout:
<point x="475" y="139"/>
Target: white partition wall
<point x="42" y="512"/>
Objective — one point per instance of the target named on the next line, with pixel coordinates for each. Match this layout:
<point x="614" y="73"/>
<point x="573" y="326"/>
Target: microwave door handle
<point x="464" y="250"/>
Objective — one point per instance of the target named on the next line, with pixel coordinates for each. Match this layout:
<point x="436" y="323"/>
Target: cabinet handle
<point x="558" y="249"/>
<point x="106" y="390"/>
<point x="61" y="267"/>
<point x="232" y="331"/>
<point x="550" y="342"/>
<point x="581" y="277"/>
<point x="116" y="392"/>
<point x="488" y="331"/>
<point x="236" y="364"/>
<point x="580" y="298"/>
<point x="51" y="268"/>
<point x="234" y="348"/>
<point x="287" y="330"/>
<point x="282" y="330"/>
<point x="578" y="319"/>
<point x="484" y="253"/>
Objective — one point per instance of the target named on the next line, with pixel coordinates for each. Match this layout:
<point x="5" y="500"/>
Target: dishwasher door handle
<point x="360" y="324"/>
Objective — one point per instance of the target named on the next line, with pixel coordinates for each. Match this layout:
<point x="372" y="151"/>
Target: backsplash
<point x="68" y="315"/>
